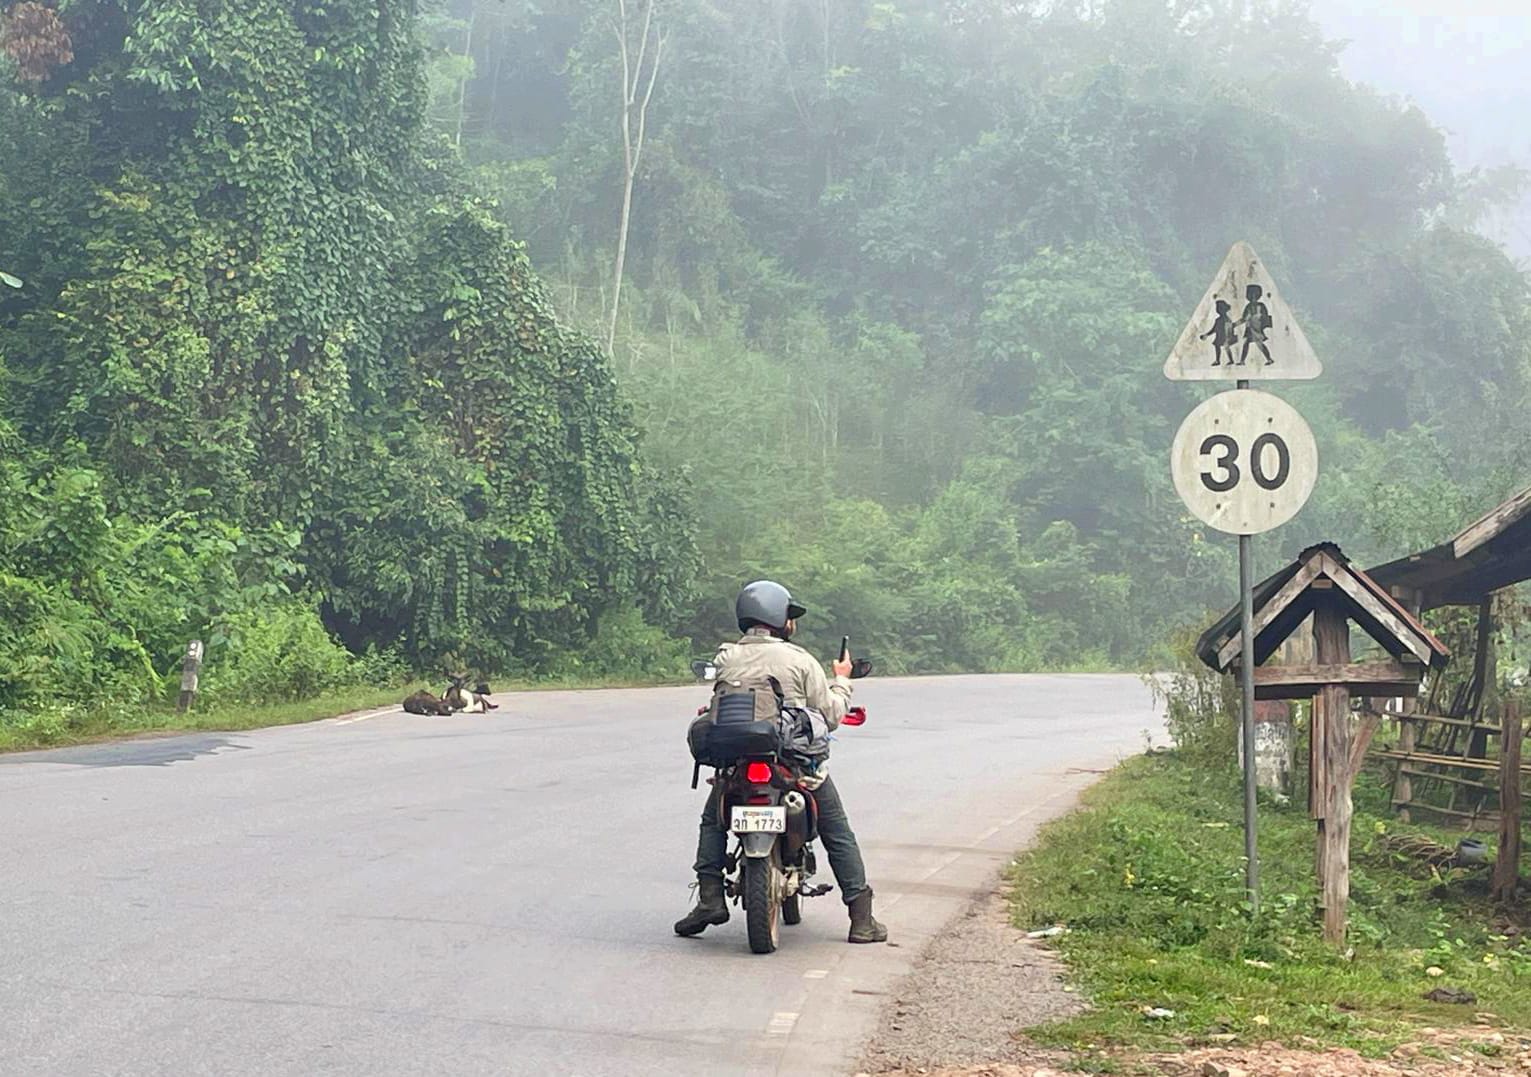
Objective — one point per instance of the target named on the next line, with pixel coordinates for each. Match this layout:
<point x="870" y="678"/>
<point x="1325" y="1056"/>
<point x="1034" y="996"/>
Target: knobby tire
<point x="760" y="905"/>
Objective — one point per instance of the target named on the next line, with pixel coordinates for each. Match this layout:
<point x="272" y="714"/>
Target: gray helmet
<point x="766" y="603"/>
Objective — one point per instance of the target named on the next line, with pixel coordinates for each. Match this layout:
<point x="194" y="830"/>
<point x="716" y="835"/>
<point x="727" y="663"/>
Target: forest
<point x="366" y="336"/>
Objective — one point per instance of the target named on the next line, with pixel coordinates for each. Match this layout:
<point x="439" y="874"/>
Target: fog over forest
<point x="1465" y="65"/>
<point x="360" y="338"/>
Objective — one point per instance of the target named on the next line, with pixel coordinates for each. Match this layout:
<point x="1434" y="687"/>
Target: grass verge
<point x="56" y="729"/>
<point x="1148" y="876"/>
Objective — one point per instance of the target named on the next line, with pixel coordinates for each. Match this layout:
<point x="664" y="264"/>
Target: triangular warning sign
<point x="1242" y="329"/>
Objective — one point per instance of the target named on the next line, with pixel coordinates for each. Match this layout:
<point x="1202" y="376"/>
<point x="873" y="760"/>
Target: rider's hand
<point x="842" y="666"/>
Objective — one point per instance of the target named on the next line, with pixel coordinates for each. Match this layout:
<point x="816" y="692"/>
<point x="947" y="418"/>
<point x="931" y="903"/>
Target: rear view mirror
<point x="861" y="667"/>
<point x="704" y="670"/>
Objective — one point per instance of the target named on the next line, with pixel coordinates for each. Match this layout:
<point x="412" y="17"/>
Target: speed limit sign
<point x="1244" y="462"/>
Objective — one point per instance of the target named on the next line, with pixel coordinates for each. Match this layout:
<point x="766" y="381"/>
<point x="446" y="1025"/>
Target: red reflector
<point x="758" y="773"/>
<point x="762" y="799"/>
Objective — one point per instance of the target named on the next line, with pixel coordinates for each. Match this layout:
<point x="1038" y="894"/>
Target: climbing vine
<point x="260" y="291"/>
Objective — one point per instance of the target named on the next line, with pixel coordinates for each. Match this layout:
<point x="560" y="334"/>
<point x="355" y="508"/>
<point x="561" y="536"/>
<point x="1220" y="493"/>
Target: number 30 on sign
<point x="1244" y="462"/>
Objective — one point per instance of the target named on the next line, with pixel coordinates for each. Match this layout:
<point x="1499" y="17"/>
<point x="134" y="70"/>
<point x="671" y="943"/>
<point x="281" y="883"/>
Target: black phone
<point x="845" y="648"/>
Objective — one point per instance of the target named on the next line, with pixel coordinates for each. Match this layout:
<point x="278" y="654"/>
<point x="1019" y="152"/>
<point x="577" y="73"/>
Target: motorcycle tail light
<point x="758" y="773"/>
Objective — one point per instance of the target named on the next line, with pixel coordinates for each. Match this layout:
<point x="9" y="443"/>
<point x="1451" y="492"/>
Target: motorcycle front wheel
<point x="792" y="910"/>
<point x="760" y="905"/>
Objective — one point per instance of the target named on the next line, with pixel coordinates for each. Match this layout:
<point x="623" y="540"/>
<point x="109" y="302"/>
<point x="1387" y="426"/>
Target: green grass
<point x="1148" y="875"/>
<point x="55" y="729"/>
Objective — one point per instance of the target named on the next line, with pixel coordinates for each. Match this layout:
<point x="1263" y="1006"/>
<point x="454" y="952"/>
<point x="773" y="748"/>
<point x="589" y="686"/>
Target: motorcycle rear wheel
<point x="760" y="905"/>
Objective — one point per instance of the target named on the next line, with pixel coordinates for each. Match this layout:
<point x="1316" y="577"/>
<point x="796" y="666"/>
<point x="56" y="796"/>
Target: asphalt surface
<point x="493" y="894"/>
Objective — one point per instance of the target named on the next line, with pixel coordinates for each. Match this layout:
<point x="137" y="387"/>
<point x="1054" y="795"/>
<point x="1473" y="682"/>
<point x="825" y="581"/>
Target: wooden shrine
<point x="1324" y="587"/>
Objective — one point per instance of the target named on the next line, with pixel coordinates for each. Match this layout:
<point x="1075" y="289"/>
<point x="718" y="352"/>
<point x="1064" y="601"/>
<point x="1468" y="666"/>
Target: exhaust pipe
<point x="797" y="821"/>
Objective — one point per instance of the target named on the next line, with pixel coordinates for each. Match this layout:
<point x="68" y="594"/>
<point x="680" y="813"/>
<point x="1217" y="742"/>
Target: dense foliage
<point x="899" y="276"/>
<point x="902" y="273"/>
<point x="272" y="359"/>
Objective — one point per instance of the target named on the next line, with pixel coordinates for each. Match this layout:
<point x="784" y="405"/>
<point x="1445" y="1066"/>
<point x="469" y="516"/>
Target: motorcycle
<point x="773" y="818"/>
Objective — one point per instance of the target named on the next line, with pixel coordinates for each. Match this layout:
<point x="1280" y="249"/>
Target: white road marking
<point x="815" y="974"/>
<point x="368" y="716"/>
<point x="781" y="1024"/>
<point x="951" y="858"/>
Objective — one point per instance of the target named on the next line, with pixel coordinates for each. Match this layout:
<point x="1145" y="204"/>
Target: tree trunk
<point x="632" y="139"/>
<point x="462" y="85"/>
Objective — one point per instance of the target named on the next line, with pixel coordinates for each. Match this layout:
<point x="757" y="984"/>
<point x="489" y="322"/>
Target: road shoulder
<point x="976" y="984"/>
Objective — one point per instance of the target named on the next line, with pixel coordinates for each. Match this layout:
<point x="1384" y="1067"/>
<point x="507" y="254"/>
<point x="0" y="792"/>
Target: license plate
<point x="759" y="820"/>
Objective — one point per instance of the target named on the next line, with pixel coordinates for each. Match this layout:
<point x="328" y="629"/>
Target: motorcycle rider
<point x="768" y="616"/>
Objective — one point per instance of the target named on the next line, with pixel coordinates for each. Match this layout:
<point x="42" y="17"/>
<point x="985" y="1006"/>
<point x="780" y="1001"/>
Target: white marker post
<point x="1244" y="462"/>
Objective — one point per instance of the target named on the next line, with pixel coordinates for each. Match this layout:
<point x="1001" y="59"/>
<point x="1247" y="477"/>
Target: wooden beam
<point x="1435" y="760"/>
<point x="1360" y="673"/>
<point x="1491" y="524"/>
<point x="1482" y="649"/>
<point x="1507" y="862"/>
<point x="1370" y="690"/>
<point x="1403" y="787"/>
<point x="1440" y="719"/>
<point x="1405" y="635"/>
<point x="1271" y="609"/>
<point x="1432" y="776"/>
<point x="1455" y="813"/>
<point x="1375" y="679"/>
<point x="1362" y="742"/>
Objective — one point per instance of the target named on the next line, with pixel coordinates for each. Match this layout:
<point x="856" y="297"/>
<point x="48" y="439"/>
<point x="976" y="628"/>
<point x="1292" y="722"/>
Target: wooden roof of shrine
<point x="1322" y="574"/>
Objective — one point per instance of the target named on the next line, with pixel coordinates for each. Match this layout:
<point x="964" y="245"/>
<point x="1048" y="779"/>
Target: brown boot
<point x="864" y="927"/>
<point x="711" y="908"/>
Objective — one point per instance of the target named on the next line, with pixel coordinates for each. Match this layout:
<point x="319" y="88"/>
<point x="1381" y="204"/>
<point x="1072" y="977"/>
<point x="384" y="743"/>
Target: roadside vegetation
<point x="1148" y="879"/>
<point x="316" y="344"/>
<point x="60" y="726"/>
<point x="57" y="727"/>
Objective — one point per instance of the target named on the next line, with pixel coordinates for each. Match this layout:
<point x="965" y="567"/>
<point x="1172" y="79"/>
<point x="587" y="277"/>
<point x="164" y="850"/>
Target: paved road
<point x="491" y="895"/>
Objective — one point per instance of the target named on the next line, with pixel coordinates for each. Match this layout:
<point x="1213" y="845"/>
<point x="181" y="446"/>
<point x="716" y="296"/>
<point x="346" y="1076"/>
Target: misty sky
<point x="1465" y="63"/>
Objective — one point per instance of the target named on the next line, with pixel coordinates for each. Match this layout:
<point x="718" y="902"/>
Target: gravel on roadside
<point x="963" y="1010"/>
<point x="974" y="987"/>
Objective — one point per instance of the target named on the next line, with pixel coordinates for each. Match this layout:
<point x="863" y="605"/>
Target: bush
<point x="626" y="646"/>
<point x="1200" y="706"/>
<point x="382" y="668"/>
<point x="277" y="655"/>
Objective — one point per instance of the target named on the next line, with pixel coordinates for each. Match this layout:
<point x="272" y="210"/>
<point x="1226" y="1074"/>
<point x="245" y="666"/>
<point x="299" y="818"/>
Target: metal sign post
<point x="1243" y="461"/>
<point x="1247" y="677"/>
<point x="1247" y="719"/>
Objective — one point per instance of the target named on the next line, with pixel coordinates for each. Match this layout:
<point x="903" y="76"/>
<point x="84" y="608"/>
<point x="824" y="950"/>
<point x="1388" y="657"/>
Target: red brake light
<point x="758" y="773"/>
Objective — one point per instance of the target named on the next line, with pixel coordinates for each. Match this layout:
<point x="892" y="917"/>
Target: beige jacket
<point x="802" y="679"/>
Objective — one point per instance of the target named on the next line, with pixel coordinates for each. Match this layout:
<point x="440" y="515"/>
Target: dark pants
<point x="834" y="832"/>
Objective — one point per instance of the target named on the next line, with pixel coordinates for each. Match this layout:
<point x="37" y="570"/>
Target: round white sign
<point x="1244" y="462"/>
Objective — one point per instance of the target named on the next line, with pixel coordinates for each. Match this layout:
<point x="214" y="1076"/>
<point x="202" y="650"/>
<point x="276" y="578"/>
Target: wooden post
<point x="1507" y="864"/>
<point x="191" y="667"/>
<point x="1403" y="785"/>
<point x="1330" y="750"/>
